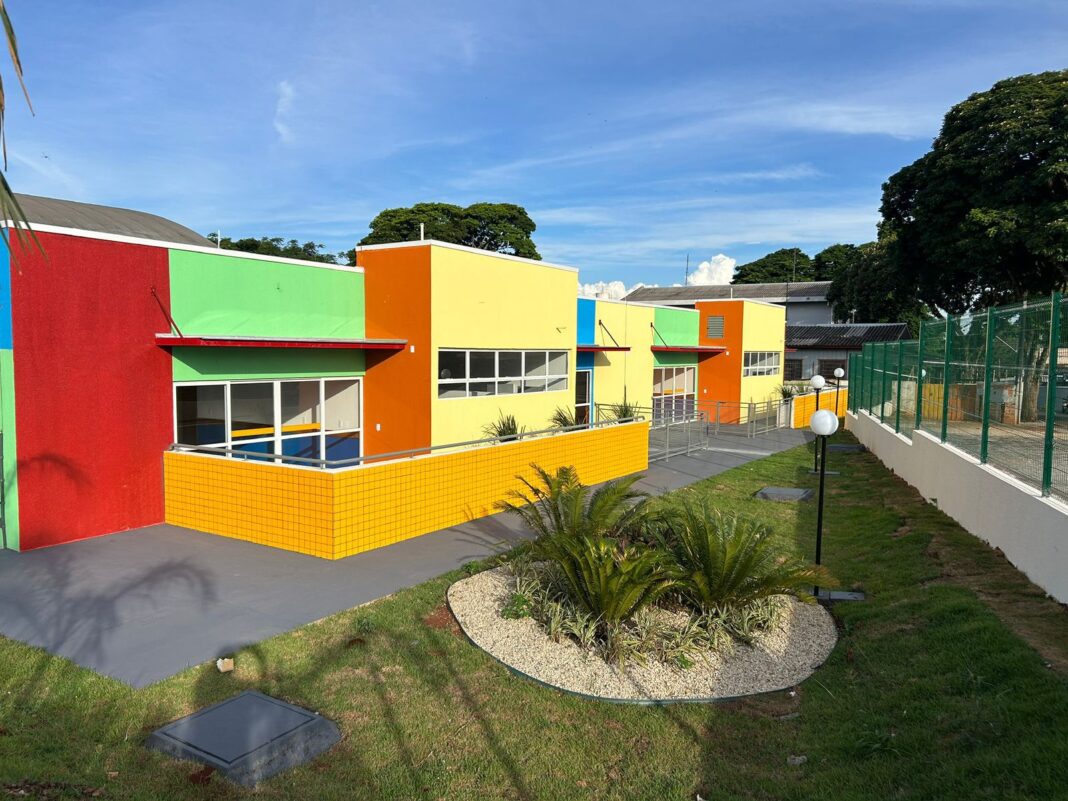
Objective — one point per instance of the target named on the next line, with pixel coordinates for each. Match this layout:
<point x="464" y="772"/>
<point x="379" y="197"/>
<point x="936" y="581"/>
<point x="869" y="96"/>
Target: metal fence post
<point x="919" y="378"/>
<point x="988" y="381"/>
<point x="1051" y="391"/>
<point x="947" y="360"/>
<point x="897" y="403"/>
<point x="882" y="388"/>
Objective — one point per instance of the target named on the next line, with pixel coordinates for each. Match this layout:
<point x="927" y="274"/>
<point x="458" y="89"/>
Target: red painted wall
<point x="92" y="390"/>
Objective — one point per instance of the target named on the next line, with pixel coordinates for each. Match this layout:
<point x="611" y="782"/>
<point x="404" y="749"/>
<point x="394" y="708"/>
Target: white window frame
<point x="588" y="405"/>
<point x="562" y="380"/>
<point x="761" y="363"/>
<point x="673" y="412"/>
<point x="277" y="438"/>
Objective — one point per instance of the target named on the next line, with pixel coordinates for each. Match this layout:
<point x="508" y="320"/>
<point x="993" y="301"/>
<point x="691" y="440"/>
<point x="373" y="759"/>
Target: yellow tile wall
<point x="340" y="513"/>
<point x="805" y="405"/>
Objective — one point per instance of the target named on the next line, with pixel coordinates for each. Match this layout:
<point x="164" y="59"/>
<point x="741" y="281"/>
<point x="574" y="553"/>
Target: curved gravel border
<point x="777" y="659"/>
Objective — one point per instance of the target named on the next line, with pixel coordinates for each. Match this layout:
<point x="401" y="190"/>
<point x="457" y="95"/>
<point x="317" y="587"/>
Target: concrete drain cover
<point x="846" y="449"/>
<point x="786" y="494"/>
<point x="247" y="738"/>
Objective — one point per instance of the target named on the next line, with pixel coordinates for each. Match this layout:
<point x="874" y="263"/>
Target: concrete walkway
<point x="143" y="605"/>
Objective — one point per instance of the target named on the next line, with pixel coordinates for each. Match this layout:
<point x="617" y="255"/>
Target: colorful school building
<point x="148" y="377"/>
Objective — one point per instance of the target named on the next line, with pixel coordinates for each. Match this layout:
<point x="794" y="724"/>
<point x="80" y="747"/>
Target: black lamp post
<point x="817" y="382"/>
<point x="839" y="374"/>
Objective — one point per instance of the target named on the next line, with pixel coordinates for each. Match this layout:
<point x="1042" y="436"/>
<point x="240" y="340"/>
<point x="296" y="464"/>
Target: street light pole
<point x="839" y="374"/>
<point x="817" y="383"/>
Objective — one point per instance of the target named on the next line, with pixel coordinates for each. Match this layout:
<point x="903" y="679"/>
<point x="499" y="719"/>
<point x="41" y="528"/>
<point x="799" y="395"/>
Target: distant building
<point x="812" y="349"/>
<point x="805" y="301"/>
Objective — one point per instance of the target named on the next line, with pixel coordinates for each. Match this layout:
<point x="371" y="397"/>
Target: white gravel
<point x="777" y="659"/>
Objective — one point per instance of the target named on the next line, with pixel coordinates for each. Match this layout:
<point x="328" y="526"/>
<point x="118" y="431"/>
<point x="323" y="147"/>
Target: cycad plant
<point x="728" y="561"/>
<point x="604" y="579"/>
<point x="559" y="504"/>
<point x="505" y="428"/>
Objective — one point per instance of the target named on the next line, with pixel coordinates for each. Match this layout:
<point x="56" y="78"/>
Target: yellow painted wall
<point x="333" y="514"/>
<point x="484" y="301"/>
<point x="633" y="370"/>
<point x="763" y="328"/>
<point x="805" y="405"/>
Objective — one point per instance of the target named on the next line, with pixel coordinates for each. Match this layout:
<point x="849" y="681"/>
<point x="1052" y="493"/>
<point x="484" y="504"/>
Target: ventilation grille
<point x="714" y="327"/>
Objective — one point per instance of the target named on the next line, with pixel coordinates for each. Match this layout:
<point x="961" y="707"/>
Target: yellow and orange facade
<point x="327" y="409"/>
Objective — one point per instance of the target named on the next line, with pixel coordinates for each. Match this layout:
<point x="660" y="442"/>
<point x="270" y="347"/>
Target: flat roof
<point x="212" y="341"/>
<point x="414" y="243"/>
<point x="801" y="291"/>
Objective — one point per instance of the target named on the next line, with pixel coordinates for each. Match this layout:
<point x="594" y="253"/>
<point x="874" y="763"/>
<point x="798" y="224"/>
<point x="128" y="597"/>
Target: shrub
<point x="786" y="391"/>
<point x="504" y="428"/>
<point x="559" y="504"/>
<point x="518" y="606"/>
<point x="603" y="578"/>
<point x="564" y="417"/>
<point x="727" y="561"/>
<point x="624" y="410"/>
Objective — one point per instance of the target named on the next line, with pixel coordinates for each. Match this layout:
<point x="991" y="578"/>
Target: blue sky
<point x="634" y="133"/>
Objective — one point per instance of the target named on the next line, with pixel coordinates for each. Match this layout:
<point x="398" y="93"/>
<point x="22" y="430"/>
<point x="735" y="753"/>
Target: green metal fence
<point x="993" y="384"/>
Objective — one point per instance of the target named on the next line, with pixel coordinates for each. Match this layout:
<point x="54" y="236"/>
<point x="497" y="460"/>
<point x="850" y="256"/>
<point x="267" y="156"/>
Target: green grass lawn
<point x="932" y="693"/>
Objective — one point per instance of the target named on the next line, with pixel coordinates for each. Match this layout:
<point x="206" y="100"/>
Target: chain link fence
<point x="993" y="384"/>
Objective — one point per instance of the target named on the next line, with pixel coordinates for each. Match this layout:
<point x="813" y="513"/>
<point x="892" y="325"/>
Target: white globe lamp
<point x="817" y="382"/>
<point x="839" y="373"/>
<point x="824" y="423"/>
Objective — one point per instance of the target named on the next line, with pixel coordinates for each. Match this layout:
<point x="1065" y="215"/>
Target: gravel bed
<point x="779" y="658"/>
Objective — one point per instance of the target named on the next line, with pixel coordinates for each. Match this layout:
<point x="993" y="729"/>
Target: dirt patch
<point x="1021" y="605"/>
<point x="441" y="619"/>
<point x="28" y="789"/>
<point x="784" y="705"/>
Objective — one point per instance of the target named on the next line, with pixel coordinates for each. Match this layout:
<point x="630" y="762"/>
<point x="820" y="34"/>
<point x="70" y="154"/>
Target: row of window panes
<point x="761" y="362"/>
<point x="314" y="418"/>
<point x="673" y="381"/>
<point x="474" y="373"/>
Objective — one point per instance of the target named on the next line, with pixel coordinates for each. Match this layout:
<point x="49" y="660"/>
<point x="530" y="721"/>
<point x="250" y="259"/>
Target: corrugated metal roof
<point x="107" y="220"/>
<point x="815" y="290"/>
<point x="843" y="336"/>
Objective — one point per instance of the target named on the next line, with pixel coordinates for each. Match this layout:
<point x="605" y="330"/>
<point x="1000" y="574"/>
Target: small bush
<point x="624" y="410"/>
<point x="504" y="428"/>
<point x="518" y="606"/>
<point x="564" y="417"/>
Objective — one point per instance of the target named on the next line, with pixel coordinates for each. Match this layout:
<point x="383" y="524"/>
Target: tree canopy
<point x="499" y="227"/>
<point x="982" y="219"/>
<point x="278" y="246"/>
<point x="866" y="289"/>
<point x="787" y="264"/>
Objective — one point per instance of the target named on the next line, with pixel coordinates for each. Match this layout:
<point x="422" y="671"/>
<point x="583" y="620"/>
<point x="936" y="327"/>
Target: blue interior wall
<point x="587" y="323"/>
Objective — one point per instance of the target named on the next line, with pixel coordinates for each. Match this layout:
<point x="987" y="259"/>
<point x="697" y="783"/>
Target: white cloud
<point x="607" y="290"/>
<point x="717" y="270"/>
<point x="281" y="111"/>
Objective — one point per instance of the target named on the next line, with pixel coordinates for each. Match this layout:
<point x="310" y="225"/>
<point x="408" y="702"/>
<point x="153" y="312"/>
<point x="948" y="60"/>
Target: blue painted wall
<point x="587" y="323"/>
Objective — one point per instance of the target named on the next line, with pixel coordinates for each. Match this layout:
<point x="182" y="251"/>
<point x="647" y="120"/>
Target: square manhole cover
<point x="846" y="449"/>
<point x="247" y="738"/>
<point x="785" y="494"/>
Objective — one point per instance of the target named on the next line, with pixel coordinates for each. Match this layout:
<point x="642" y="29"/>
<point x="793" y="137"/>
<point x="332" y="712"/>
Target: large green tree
<point x="982" y="219"/>
<point x="787" y="264"/>
<point x="867" y="289"/>
<point x="278" y="246"/>
<point x="500" y="227"/>
<point x="833" y="260"/>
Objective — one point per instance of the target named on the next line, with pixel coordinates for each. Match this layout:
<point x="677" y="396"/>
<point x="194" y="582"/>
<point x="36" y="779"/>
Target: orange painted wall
<point x="396" y="389"/>
<point x="720" y="377"/>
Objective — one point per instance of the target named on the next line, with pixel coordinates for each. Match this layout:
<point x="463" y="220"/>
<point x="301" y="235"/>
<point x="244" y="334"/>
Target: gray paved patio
<point x="143" y="605"/>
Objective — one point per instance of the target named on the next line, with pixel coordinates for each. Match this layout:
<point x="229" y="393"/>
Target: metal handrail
<point x="356" y="461"/>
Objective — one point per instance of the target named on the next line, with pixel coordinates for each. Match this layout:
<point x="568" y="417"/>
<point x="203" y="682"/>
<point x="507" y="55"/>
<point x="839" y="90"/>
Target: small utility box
<point x="247" y="738"/>
<point x="784" y="494"/>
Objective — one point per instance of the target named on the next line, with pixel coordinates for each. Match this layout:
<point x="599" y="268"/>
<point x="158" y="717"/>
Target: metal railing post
<point x="946" y="362"/>
<point x="882" y="389"/>
<point x="1051" y="391"/>
<point x="750" y="423"/>
<point x="897" y="404"/>
<point x="919" y="378"/>
<point x="988" y="383"/>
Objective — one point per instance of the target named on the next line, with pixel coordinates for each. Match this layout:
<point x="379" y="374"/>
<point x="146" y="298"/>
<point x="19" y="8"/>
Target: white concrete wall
<point x="1031" y="530"/>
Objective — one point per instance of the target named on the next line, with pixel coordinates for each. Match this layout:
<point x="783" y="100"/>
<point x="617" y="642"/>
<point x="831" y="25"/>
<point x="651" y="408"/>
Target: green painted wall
<point x="218" y="364"/>
<point x="677" y="326"/>
<point x="216" y="294"/>
<point x="674" y="359"/>
<point x="7" y="424"/>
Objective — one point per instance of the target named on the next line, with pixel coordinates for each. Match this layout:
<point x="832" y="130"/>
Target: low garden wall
<point x="805" y="405"/>
<point x="336" y="513"/>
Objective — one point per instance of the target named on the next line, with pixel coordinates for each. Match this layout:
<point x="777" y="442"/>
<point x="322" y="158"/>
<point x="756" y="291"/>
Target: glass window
<point x="480" y="388"/>
<point x="342" y="446"/>
<point x="483" y="364"/>
<point x="557" y="362"/>
<point x="510" y="364"/>
<point x="201" y="414"/>
<point x="300" y="407"/>
<point x="341" y="409"/>
<point x="452" y="390"/>
<point x="557" y="384"/>
<point x="582" y="387"/>
<point x="534" y="363"/>
<point x="509" y="387"/>
<point x="534" y="385"/>
<point x="252" y="410"/>
<point x="452" y="364"/>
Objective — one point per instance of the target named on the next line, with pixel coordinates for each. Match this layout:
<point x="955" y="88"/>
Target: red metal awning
<point x="204" y="341"/>
<point x="688" y="349"/>
<point x="600" y="348"/>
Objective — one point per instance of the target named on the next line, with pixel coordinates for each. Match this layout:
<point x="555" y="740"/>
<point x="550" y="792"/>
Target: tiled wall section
<point x="337" y="514"/>
<point x="805" y="405"/>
